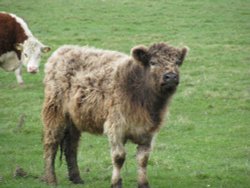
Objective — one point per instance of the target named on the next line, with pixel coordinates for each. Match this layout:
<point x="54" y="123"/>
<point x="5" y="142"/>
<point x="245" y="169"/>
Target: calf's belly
<point x="93" y="125"/>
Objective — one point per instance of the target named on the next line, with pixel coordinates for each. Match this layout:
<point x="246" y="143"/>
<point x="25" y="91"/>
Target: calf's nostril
<point x="166" y="77"/>
<point x="169" y="76"/>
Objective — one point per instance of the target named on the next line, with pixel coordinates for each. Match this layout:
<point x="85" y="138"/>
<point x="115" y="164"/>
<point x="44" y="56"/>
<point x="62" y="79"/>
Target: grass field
<point x="206" y="140"/>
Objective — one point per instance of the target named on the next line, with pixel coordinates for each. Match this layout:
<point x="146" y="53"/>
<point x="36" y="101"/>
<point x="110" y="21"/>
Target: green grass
<point x="206" y="140"/>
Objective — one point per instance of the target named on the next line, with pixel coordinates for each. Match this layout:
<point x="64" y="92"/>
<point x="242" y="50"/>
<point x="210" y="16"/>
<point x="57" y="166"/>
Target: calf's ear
<point x="18" y="46"/>
<point x="184" y="52"/>
<point x="45" y="49"/>
<point x="140" y="53"/>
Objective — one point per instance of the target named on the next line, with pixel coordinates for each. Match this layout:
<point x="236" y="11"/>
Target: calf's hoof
<point x="118" y="184"/>
<point x="144" y="185"/>
<point x="77" y="180"/>
<point x="49" y="181"/>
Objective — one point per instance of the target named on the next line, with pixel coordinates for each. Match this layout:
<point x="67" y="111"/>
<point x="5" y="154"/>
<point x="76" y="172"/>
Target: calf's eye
<point x="152" y="63"/>
<point x="178" y="62"/>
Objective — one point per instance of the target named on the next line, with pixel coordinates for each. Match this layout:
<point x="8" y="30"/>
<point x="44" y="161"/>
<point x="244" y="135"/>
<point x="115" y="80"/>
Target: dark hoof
<point x="118" y="184"/>
<point x="76" y="180"/>
<point x="144" y="185"/>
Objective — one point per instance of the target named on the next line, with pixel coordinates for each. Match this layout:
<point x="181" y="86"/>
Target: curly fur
<point x="101" y="91"/>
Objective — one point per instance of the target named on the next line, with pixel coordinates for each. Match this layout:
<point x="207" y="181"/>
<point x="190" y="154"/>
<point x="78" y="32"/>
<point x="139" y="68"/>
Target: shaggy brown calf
<point x="98" y="91"/>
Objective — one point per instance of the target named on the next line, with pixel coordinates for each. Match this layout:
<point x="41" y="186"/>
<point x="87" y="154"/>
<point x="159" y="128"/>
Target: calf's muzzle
<point x="169" y="80"/>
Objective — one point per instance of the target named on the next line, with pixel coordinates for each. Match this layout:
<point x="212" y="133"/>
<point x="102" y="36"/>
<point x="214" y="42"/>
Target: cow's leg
<point x="18" y="73"/>
<point x="70" y="145"/>
<point x="143" y="152"/>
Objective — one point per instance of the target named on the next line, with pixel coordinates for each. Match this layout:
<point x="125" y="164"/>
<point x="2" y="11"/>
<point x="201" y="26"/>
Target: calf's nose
<point x="170" y="77"/>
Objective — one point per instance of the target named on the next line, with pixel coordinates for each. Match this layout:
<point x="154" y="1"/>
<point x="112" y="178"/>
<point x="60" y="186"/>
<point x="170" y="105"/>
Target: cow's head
<point x="31" y="51"/>
<point x="162" y="62"/>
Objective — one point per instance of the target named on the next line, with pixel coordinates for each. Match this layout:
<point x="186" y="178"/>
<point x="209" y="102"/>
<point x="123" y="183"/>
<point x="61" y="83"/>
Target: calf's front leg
<point x="142" y="157"/>
<point x="118" y="157"/>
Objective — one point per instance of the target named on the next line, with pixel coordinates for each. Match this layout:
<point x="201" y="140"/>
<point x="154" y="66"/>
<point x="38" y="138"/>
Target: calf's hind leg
<point x="51" y="141"/>
<point x="70" y="144"/>
<point x="54" y="127"/>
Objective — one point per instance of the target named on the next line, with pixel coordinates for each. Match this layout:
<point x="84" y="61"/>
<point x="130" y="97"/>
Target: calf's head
<point x="31" y="51"/>
<point x="162" y="63"/>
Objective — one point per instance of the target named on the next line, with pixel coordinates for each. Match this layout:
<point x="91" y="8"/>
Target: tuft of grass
<point x="205" y="140"/>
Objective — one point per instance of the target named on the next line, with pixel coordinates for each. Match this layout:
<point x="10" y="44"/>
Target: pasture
<point x="206" y="139"/>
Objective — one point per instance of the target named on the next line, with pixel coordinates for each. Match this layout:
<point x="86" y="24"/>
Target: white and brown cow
<point x="18" y="46"/>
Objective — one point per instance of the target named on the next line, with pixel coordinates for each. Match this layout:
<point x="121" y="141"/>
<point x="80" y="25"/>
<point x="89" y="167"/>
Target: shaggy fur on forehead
<point x="163" y="49"/>
<point x="166" y="53"/>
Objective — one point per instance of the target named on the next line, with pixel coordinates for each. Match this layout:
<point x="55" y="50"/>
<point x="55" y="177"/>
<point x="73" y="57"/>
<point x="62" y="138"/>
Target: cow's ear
<point x="140" y="53"/>
<point x="18" y="46"/>
<point x="184" y="52"/>
<point x="45" y="49"/>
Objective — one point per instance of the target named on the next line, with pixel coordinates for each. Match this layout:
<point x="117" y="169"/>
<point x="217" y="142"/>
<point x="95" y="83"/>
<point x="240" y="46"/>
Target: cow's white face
<point x="31" y="54"/>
